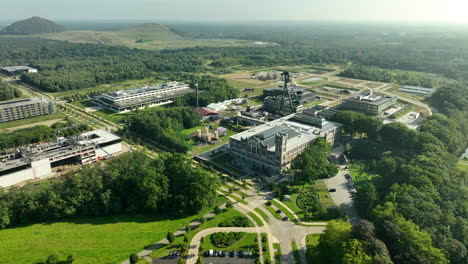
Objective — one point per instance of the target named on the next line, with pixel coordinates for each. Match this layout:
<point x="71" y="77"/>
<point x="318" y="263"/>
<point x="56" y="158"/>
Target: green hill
<point x="30" y="26"/>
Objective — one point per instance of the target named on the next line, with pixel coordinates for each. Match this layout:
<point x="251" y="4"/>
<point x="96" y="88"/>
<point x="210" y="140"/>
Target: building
<point x="148" y="96"/>
<point x="36" y="161"/>
<point x="25" y="108"/>
<point x="369" y="103"/>
<point x="272" y="147"/>
<point x="207" y="113"/>
<point x="217" y="106"/>
<point x="416" y="90"/>
<point x="15" y="70"/>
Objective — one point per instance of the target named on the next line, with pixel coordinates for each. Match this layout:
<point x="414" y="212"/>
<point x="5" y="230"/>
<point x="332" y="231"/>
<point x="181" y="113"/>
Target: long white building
<point x="128" y="100"/>
<point x="36" y="161"/>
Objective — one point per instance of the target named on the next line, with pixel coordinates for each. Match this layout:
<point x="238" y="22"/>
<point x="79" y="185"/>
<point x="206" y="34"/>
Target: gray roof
<point x="17" y="68"/>
<point x="22" y="102"/>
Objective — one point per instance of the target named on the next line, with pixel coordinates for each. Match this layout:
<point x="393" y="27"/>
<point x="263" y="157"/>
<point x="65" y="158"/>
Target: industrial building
<point x="369" y="103"/>
<point x="25" y="108"/>
<point x="15" y="70"/>
<point x="36" y="161"/>
<point x="273" y="146"/>
<point x="303" y="94"/>
<point x="148" y="96"/>
<point x="416" y="90"/>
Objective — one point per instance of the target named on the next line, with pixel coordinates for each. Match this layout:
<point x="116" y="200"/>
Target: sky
<point x="240" y="10"/>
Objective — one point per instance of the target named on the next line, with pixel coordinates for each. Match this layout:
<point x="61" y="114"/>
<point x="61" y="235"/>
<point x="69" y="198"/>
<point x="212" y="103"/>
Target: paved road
<point x="342" y="197"/>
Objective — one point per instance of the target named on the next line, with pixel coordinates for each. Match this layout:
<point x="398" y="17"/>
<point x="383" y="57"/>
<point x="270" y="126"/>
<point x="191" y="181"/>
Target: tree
<point x="354" y="253"/>
<point x="217" y="210"/>
<point x="229" y="204"/>
<point x="332" y="239"/>
<point x="170" y="237"/>
<point x="70" y="259"/>
<point x="134" y="258"/>
<point x="52" y="259"/>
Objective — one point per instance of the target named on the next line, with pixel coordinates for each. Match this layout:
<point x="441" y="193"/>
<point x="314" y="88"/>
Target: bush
<point x="134" y="258"/>
<point x="308" y="200"/>
<point x="237" y="221"/>
<point x="225" y="239"/>
<point x="53" y="259"/>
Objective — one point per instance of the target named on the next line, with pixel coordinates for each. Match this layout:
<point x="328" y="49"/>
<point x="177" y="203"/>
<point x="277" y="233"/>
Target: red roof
<point x="204" y="111"/>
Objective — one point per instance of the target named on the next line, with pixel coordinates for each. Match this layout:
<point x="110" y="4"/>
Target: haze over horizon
<point x="452" y="11"/>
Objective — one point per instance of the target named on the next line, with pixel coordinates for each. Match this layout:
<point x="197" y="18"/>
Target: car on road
<point x="278" y="211"/>
<point x="285" y="218"/>
<point x="268" y="203"/>
<point x="332" y="190"/>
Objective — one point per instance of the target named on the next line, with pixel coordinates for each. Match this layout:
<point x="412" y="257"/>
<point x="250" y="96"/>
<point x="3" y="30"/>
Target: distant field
<point x="146" y="36"/>
<point x="464" y="166"/>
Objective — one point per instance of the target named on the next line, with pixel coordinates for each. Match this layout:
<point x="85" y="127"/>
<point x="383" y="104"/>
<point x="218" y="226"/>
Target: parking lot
<point x="228" y="260"/>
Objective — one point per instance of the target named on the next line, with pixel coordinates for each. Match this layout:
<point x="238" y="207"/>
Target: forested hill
<point x="33" y="25"/>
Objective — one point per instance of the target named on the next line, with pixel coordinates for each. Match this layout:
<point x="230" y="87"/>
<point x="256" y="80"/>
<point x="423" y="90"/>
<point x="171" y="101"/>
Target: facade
<point x="36" y="161"/>
<point x="273" y="146"/>
<point x="369" y="103"/>
<point x="416" y="90"/>
<point x="149" y="96"/>
<point x="15" y="70"/>
<point x="26" y="108"/>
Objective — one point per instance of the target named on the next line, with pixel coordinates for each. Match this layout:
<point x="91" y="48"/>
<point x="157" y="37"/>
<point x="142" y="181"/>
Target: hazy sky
<point x="239" y="10"/>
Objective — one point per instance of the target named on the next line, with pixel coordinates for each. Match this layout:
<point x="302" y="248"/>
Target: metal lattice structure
<point x="290" y="102"/>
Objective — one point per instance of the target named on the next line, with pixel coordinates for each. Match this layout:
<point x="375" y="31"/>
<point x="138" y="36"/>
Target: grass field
<point x="92" y="239"/>
<point x="256" y="219"/>
<point x="262" y="214"/>
<point x="297" y="257"/>
<point x="146" y="36"/>
<point x="5" y="127"/>
<point x="463" y="167"/>
<point x="284" y="210"/>
<point x="277" y="248"/>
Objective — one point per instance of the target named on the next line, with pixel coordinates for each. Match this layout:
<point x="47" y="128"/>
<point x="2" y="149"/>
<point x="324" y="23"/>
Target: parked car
<point x="232" y="253"/>
<point x="221" y="254"/>
<point x="285" y="218"/>
<point x="278" y="211"/>
<point x="268" y="203"/>
<point x="332" y="190"/>
<point x="348" y="176"/>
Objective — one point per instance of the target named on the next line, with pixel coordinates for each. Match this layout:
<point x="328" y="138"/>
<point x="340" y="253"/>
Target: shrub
<point x="237" y="221"/>
<point x="225" y="239"/>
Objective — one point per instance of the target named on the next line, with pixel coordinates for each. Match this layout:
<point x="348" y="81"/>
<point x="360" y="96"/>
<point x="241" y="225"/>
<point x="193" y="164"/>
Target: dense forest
<point x="416" y="202"/>
<point x="131" y="183"/>
<point x="379" y="75"/>
<point x="8" y="92"/>
<point x="33" y="25"/>
<point x="164" y="127"/>
<point x="26" y="136"/>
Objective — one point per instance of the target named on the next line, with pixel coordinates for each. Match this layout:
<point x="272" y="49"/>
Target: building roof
<point x="17" y="68"/>
<point x="370" y="98"/>
<point x="215" y="106"/>
<point x="205" y="111"/>
<point x="22" y="102"/>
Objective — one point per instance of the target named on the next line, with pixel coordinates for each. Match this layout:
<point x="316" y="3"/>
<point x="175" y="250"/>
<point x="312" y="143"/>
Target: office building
<point x="369" y="103"/>
<point x="25" y="108"/>
<point x="149" y="96"/>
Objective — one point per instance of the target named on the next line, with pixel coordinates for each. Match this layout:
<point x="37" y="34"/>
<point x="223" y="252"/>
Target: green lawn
<point x="222" y="160"/>
<point x="297" y="257"/>
<point x="262" y="214"/>
<point x="284" y="210"/>
<point x="256" y="219"/>
<point x="273" y="212"/>
<point x="247" y="242"/>
<point x="234" y="197"/>
<point x="357" y="170"/>
<point x="278" y="254"/>
<point x="29" y="121"/>
<point x="463" y="167"/>
<point x="265" y="248"/>
<point x="90" y="240"/>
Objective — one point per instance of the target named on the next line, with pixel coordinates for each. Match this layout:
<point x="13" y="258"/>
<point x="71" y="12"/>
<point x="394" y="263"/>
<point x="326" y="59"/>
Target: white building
<point x="148" y="96"/>
<point x="36" y="162"/>
<point x="14" y="70"/>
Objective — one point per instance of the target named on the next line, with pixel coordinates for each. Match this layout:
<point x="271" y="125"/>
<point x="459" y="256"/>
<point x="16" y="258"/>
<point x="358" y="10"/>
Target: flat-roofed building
<point x="36" y="161"/>
<point x="416" y="90"/>
<point x="25" y="108"/>
<point x="369" y="103"/>
<point x="148" y="96"/>
<point x="273" y="146"/>
<point x="15" y="70"/>
<point x="303" y="94"/>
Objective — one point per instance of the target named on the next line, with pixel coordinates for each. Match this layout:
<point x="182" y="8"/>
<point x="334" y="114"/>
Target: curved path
<point x="196" y="240"/>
